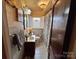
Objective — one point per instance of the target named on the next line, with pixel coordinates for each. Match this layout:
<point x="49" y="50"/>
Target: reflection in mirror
<point x="60" y="18"/>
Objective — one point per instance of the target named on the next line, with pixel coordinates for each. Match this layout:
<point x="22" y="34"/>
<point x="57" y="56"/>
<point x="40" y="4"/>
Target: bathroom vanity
<point x="29" y="47"/>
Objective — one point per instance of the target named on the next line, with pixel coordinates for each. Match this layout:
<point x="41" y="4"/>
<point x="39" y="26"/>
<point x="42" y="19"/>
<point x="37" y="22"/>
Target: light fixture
<point x="24" y="7"/>
<point x="26" y="10"/>
<point x="43" y="4"/>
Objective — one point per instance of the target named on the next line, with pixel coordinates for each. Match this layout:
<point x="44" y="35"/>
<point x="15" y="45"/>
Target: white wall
<point x="36" y="23"/>
<point x="47" y="27"/>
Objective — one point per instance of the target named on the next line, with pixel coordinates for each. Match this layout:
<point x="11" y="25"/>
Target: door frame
<point x="5" y="33"/>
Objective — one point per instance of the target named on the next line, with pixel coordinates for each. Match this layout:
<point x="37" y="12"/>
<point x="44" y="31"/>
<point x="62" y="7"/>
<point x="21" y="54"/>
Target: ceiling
<point x="34" y="6"/>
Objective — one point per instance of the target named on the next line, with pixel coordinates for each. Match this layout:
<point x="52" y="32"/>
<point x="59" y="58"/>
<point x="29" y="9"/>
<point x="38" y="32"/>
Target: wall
<point x="47" y="27"/>
<point x="37" y="30"/>
<point x="59" y="27"/>
<point x="14" y="27"/>
<point x="59" y="22"/>
<point x="31" y="22"/>
<point x="11" y="13"/>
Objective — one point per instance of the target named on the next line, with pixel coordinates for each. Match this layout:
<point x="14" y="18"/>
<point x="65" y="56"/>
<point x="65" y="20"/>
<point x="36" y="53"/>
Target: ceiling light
<point x="43" y="5"/>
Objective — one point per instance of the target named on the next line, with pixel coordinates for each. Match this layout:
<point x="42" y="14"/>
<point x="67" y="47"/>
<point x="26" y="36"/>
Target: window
<point x="36" y="22"/>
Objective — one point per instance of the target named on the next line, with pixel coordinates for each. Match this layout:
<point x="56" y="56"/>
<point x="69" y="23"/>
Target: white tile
<point x="41" y="52"/>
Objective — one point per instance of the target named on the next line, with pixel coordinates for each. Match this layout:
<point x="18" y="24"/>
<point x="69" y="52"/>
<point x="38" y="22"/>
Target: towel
<point x="16" y="41"/>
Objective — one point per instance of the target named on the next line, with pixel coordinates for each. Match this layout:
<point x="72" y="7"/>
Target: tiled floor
<point x="41" y="52"/>
<point x="51" y="54"/>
